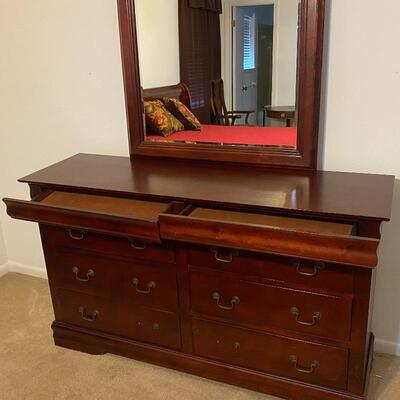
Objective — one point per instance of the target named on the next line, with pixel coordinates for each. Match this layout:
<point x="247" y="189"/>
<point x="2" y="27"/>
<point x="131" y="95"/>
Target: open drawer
<point x="296" y="237"/>
<point x="113" y="215"/>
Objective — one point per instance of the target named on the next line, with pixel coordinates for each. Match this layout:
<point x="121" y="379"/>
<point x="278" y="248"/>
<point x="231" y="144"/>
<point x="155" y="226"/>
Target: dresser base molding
<point x="97" y="343"/>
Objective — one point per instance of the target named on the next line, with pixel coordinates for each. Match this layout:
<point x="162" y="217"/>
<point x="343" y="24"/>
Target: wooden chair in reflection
<point x="219" y="113"/>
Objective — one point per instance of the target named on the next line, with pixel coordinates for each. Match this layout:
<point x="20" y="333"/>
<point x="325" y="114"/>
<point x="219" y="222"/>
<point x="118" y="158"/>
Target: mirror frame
<point x="309" y="91"/>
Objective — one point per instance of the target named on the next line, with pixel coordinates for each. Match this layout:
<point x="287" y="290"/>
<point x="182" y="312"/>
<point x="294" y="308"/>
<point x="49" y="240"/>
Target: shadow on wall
<point x="386" y="317"/>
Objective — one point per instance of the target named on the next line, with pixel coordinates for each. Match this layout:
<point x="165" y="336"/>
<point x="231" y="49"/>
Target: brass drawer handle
<point x="89" y="274"/>
<point x="138" y="244"/>
<point x="316" y="317"/>
<point x="87" y="317"/>
<point x="236" y="346"/>
<point x="231" y="254"/>
<point x="76" y="234"/>
<point x="319" y="266"/>
<point x="150" y="286"/>
<point x="314" y="365"/>
<point x="234" y="301"/>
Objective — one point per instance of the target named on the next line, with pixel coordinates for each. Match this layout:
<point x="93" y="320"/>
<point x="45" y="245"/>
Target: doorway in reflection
<point x="252" y="66"/>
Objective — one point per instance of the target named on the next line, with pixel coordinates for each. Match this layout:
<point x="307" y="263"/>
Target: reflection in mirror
<point x="220" y="72"/>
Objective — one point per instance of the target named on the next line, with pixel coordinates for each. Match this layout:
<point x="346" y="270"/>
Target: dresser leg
<point x="67" y="339"/>
<point x="369" y="363"/>
<point x="361" y="340"/>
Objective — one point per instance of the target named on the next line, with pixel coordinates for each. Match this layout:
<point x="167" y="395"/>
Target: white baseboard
<point x="27" y="270"/>
<point x="386" y="347"/>
<point x="4" y="269"/>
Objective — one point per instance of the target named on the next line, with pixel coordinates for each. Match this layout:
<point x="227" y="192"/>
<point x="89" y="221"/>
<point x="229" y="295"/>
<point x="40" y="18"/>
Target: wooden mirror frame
<point x="309" y="88"/>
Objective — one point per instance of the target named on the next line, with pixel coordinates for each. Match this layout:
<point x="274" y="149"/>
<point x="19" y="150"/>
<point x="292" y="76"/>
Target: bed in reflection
<point x="234" y="135"/>
<point x="239" y="135"/>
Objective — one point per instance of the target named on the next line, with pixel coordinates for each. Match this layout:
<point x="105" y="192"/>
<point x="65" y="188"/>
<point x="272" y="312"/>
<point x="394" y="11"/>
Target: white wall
<point x="361" y="129"/>
<point x="286" y="80"/>
<point x="4" y="267"/>
<point x="3" y="251"/>
<point x="158" y="42"/>
<point x="62" y="93"/>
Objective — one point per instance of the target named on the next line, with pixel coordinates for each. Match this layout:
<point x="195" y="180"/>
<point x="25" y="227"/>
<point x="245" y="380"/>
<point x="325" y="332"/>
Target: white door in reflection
<point x="252" y="66"/>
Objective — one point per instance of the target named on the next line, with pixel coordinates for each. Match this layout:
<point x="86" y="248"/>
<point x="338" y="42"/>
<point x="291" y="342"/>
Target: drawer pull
<point x="86" y="317"/>
<point x="234" y="301"/>
<point x="230" y="255"/>
<point x="89" y="274"/>
<point x="236" y="346"/>
<point x="76" y="235"/>
<point x="316" y="317"/>
<point x="314" y="365"/>
<point x="317" y="268"/>
<point x="150" y="286"/>
<point x="138" y="244"/>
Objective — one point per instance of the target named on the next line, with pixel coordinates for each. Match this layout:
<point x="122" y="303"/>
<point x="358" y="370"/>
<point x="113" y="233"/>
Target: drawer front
<point x="134" y="282"/>
<point x="113" y="245"/>
<point x="290" y="271"/>
<point x="86" y="219"/>
<point x="156" y="327"/>
<point x="320" y="245"/>
<point x="265" y="307"/>
<point x="295" y="359"/>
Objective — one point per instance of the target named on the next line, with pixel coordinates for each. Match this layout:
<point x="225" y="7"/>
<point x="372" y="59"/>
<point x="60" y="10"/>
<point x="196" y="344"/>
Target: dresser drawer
<point x="288" y="236"/>
<point x="113" y="215"/>
<point x="295" y="359"/>
<point x="308" y="274"/>
<point x="134" y="282"/>
<point x="264" y="307"/>
<point x="106" y="244"/>
<point x="117" y="318"/>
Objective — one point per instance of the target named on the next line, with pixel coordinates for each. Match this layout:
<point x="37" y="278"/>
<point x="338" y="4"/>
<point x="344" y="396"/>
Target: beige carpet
<point x="32" y="368"/>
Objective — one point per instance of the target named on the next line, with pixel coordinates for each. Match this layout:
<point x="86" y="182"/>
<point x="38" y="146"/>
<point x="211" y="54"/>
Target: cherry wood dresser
<point x="254" y="277"/>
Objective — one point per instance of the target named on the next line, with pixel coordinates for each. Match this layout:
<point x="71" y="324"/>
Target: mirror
<point x="219" y="72"/>
<point x="252" y="79"/>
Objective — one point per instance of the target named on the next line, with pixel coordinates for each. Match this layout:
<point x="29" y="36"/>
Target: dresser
<point x="254" y="277"/>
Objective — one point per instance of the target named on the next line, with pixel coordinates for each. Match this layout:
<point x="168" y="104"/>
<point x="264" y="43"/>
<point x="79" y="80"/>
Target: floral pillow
<point x="159" y="120"/>
<point x="182" y="113"/>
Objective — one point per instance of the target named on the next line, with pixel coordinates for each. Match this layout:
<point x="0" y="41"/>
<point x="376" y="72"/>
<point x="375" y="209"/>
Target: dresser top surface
<point x="321" y="193"/>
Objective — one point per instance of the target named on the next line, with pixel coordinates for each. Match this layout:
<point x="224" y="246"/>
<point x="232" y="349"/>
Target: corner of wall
<point x="30" y="270"/>
<point x="12" y="266"/>
<point x="4" y="269"/>
<point x="386" y="347"/>
<point x="3" y="255"/>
